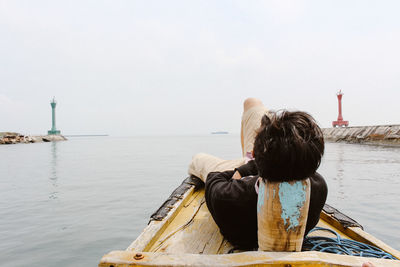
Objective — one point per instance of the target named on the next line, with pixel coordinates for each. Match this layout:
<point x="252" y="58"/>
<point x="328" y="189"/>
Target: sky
<point x="185" y="67"/>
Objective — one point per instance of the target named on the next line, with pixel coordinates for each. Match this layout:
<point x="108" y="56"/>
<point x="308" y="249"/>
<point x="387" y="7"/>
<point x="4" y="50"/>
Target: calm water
<point x="68" y="203"/>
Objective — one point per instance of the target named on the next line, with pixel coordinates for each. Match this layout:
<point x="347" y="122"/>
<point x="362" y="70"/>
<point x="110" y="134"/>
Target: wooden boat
<point x="182" y="233"/>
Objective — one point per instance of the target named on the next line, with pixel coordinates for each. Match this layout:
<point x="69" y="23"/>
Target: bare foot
<point x="367" y="264"/>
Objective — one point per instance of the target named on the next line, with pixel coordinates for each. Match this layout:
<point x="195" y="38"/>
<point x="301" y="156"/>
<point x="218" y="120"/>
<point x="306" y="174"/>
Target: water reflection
<point x="53" y="170"/>
<point x="340" y="171"/>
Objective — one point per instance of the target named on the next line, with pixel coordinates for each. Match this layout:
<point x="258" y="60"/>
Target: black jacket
<point x="233" y="204"/>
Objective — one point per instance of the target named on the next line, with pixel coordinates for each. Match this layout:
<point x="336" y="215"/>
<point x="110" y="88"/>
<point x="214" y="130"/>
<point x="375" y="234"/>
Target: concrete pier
<point x="378" y="134"/>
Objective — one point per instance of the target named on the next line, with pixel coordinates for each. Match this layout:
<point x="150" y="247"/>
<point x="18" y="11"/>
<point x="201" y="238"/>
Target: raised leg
<point x="253" y="110"/>
<point x="202" y="164"/>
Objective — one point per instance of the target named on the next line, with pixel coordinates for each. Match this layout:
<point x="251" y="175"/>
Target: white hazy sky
<point x="184" y="67"/>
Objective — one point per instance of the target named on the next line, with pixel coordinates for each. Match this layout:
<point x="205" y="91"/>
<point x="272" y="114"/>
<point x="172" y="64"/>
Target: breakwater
<point x="378" y="134"/>
<point x="9" y="138"/>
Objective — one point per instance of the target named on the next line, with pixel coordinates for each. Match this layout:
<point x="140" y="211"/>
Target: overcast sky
<point x="184" y="67"/>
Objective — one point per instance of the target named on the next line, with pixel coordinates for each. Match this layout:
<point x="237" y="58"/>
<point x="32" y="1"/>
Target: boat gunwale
<point x="248" y="258"/>
<point x="154" y="230"/>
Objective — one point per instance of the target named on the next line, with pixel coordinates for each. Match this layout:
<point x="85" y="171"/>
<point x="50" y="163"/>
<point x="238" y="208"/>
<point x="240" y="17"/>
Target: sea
<point x="68" y="203"/>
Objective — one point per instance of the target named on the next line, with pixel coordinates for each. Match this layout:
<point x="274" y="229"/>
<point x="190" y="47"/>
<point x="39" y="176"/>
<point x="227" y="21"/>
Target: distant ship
<point x="220" y="132"/>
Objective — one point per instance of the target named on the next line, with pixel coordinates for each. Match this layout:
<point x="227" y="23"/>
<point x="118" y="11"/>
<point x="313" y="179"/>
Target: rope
<point x="342" y="246"/>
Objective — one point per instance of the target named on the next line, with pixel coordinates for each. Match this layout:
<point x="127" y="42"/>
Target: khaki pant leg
<point x="202" y="164"/>
<point x="251" y="121"/>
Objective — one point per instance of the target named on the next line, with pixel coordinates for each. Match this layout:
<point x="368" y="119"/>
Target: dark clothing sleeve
<point x="247" y="169"/>
<point x="318" y="194"/>
<point x="233" y="204"/>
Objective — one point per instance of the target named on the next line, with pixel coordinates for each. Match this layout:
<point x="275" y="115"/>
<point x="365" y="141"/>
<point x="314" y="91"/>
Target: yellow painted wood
<point x="362" y="236"/>
<point x="281" y="217"/>
<point x="189" y="236"/>
<point x="358" y="234"/>
<point x="193" y="231"/>
<point x="253" y="258"/>
<point x="225" y="247"/>
<point x="151" y="233"/>
<point x="324" y="224"/>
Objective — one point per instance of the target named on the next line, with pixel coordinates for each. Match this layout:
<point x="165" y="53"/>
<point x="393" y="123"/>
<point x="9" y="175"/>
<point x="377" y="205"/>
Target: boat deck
<point x="182" y="232"/>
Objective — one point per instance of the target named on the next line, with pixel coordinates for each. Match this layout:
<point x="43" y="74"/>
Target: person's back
<point x="288" y="147"/>
<point x="233" y="204"/>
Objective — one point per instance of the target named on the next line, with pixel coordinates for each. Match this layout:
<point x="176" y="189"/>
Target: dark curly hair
<point x="288" y="146"/>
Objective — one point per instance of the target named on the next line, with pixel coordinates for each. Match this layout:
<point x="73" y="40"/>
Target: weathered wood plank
<point x="282" y="210"/>
<point x="253" y="258"/>
<point x="362" y="236"/>
<point x="194" y="231"/>
<point x="201" y="235"/>
<point x="358" y="234"/>
<point x="324" y="224"/>
<point x="225" y="247"/>
<point x="151" y="233"/>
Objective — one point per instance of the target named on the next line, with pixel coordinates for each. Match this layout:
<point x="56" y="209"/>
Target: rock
<point x="7" y="141"/>
<point x="14" y="138"/>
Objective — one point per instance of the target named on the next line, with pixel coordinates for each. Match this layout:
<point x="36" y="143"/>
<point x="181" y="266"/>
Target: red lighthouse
<point x="340" y="122"/>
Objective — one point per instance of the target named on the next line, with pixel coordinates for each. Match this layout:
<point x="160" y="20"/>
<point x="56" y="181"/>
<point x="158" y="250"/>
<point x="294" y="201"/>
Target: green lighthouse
<point x="53" y="130"/>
